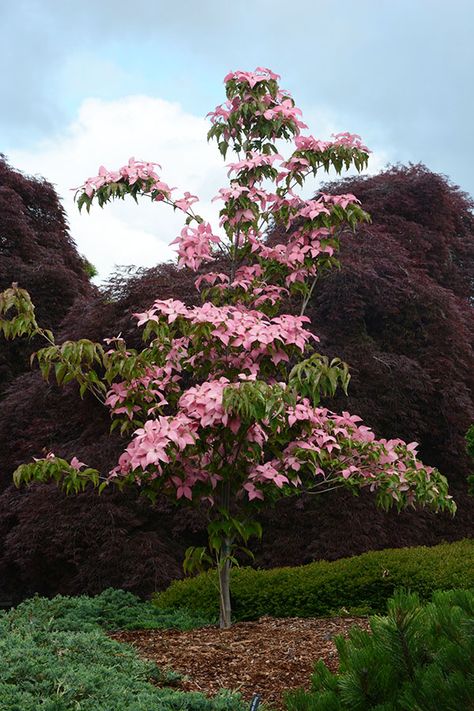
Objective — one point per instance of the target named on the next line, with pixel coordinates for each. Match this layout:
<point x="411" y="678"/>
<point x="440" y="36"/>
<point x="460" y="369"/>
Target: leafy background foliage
<point x="399" y="312"/>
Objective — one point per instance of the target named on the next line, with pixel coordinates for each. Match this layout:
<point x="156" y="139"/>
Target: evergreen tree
<point x="414" y="659"/>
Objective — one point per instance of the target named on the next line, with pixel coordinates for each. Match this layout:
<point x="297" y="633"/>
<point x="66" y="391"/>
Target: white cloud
<point x="322" y="123"/>
<point x="109" y="132"/>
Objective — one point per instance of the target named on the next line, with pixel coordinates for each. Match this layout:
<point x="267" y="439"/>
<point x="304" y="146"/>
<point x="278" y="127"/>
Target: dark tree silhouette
<point x="37" y="252"/>
<point x="399" y="311"/>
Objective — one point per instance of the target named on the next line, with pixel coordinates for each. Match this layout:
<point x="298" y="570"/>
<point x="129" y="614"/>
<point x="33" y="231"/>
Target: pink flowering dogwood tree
<point x="221" y="407"/>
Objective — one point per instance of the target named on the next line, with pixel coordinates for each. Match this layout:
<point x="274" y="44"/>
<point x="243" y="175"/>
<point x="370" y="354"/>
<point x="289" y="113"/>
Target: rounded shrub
<point x="361" y="584"/>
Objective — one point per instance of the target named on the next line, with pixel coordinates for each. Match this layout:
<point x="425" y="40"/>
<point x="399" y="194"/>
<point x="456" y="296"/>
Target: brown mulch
<point x="265" y="657"/>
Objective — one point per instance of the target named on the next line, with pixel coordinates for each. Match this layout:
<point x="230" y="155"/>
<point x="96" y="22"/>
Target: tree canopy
<point x="399" y="311"/>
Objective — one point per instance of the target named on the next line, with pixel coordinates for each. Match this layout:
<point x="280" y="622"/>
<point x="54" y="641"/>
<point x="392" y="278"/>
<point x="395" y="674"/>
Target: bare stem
<point x="308" y="296"/>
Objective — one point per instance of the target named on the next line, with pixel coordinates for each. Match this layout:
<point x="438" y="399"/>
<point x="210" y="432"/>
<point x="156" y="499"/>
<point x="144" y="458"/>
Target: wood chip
<point x="266" y="657"/>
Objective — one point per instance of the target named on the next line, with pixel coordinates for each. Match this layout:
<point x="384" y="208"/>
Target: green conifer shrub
<point x="111" y="610"/>
<point x="55" y="657"/>
<point x="414" y="659"/>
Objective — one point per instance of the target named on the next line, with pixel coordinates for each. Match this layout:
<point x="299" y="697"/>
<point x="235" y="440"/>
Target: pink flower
<point x="76" y="464"/>
<point x="204" y="403"/>
<point x="211" y="279"/>
<point x="185" y="202"/>
<point x="252" y="491"/>
<point x="351" y="140"/>
<point x="267" y="473"/>
<point x="309" y="143"/>
<point x="252" y="78"/>
<point x="194" y="245"/>
<point x="172" y="308"/>
<point x="342" y="200"/>
<point x="118" y="393"/>
<point x="285" y="110"/>
<point x="129" y="174"/>
<point x="256" y="160"/>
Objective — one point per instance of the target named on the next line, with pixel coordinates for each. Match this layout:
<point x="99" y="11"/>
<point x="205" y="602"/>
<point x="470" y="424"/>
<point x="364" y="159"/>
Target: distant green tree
<point x="89" y="268"/>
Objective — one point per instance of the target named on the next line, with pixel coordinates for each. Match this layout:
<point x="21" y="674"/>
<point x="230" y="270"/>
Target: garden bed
<point x="267" y="657"/>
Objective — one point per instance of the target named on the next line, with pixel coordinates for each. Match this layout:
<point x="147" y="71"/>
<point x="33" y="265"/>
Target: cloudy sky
<point x="89" y="83"/>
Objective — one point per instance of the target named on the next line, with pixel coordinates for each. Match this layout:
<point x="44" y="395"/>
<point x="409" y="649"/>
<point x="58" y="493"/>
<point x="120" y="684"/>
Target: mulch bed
<point x="266" y="657"/>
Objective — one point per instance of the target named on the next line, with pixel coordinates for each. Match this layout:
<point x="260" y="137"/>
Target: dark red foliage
<point x="399" y="312"/>
<point x="52" y="543"/>
<point x="37" y="252"/>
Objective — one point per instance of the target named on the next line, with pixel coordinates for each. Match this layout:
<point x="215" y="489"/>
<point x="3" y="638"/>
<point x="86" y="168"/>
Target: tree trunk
<point x="224" y="587"/>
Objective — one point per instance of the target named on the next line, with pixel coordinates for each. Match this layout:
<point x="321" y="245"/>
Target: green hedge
<point x="361" y="584"/>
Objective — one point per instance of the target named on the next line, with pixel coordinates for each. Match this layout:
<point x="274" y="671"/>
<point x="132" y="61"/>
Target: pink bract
<point x="201" y="404"/>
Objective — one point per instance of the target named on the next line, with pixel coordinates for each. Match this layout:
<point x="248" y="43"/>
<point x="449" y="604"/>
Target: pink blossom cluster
<point x="285" y="110"/>
<point x="186" y="201"/>
<point x="249" y="279"/>
<point x="289" y="200"/>
<point x="149" y="387"/>
<point x="130" y="173"/>
<point x="222" y="113"/>
<point x="252" y="78"/>
<point x="270" y="293"/>
<point x="171" y="308"/>
<point x="338" y="437"/>
<point x="236" y="191"/>
<point x="195" y="245"/>
<point x="151" y="443"/>
<point x="245" y="205"/>
<point x="246" y="275"/>
<point x="254" y="160"/>
<point x="267" y="473"/>
<point x="204" y="403"/>
<point x="299" y="253"/>
<point x="312" y="209"/>
<point x="280" y="109"/>
<point x="211" y="279"/>
<point x="295" y="164"/>
<point x="237" y="326"/>
<point x="118" y="394"/>
<point x="343" y="200"/>
<point x="351" y="140"/>
<point x="346" y="447"/>
<point x="310" y="143"/>
<point x="194" y="471"/>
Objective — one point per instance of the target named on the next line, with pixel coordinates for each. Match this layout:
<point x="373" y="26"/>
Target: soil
<point x="266" y="657"/>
